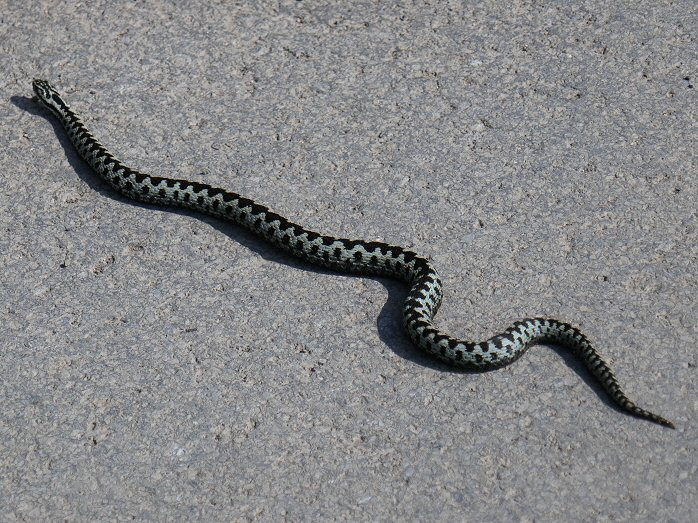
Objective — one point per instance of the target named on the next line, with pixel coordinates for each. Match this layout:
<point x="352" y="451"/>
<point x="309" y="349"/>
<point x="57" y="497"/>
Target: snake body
<point x="344" y="255"/>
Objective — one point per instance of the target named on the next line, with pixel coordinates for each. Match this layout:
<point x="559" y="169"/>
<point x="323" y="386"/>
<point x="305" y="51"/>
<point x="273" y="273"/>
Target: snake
<point x="370" y="258"/>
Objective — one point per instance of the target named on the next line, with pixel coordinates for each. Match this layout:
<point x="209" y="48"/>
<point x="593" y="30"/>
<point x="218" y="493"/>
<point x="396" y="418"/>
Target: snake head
<point x="48" y="96"/>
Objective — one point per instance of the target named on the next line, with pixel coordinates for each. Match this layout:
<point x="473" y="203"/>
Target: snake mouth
<point x="44" y="91"/>
<point x="47" y="95"/>
<point x="41" y="89"/>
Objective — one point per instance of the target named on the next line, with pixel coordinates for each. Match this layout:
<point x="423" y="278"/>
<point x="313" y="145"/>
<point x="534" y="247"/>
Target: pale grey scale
<point x="424" y="297"/>
<point x="239" y="215"/>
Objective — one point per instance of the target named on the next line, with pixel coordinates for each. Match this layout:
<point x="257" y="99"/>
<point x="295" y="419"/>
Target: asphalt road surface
<point x="157" y="365"/>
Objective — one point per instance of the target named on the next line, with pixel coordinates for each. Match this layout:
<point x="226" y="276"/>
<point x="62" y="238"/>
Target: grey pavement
<point x="156" y="365"/>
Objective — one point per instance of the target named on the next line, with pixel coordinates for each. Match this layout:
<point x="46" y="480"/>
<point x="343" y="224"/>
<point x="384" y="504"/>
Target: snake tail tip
<point x="662" y="421"/>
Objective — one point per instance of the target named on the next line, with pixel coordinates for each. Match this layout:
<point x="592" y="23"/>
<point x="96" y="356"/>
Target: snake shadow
<point x="389" y="321"/>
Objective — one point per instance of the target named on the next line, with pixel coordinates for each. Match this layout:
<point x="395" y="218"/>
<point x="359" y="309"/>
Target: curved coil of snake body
<point x="344" y="255"/>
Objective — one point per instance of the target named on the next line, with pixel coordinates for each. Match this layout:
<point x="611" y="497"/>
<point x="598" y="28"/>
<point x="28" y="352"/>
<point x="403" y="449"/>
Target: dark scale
<point x="425" y="295"/>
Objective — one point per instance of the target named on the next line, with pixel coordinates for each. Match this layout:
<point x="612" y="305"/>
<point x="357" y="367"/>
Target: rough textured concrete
<point x="156" y="365"/>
